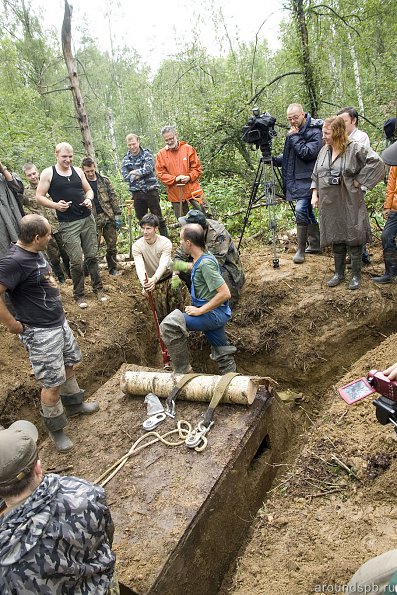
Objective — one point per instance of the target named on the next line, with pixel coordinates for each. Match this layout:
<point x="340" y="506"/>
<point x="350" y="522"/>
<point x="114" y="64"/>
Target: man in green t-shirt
<point x="209" y="311"/>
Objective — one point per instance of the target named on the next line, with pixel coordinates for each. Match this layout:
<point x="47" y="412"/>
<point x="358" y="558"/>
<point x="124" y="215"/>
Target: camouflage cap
<point x="194" y="216"/>
<point x="18" y="451"/>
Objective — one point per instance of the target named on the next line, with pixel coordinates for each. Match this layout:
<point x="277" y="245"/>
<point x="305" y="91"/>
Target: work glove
<point x="118" y="221"/>
<point x="180" y="265"/>
<point x="175" y="283"/>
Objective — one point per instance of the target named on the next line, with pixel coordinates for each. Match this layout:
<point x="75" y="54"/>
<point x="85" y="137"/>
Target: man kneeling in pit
<point x="209" y="311"/>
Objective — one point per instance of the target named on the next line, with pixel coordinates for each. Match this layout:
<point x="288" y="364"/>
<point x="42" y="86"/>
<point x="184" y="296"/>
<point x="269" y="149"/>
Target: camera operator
<point x="341" y="169"/>
<point x="302" y="145"/>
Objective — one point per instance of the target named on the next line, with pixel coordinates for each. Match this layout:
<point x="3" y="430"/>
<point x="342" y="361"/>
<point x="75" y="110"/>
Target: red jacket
<point x="171" y="163"/>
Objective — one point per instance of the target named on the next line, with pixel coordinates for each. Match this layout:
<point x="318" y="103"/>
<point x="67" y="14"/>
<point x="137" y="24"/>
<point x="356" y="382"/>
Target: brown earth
<point x="320" y="521"/>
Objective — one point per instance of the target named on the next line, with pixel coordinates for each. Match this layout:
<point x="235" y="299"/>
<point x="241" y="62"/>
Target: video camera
<point x="259" y="131"/>
<point x="376" y="382"/>
<point x="386" y="404"/>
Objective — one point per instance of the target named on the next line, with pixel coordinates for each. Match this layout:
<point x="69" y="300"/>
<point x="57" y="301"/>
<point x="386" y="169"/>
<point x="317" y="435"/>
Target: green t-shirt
<point x="207" y="279"/>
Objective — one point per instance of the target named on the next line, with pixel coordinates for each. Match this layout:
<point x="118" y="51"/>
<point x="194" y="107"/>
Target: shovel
<point x="165" y="354"/>
<point x="180" y="186"/>
<point x="128" y="204"/>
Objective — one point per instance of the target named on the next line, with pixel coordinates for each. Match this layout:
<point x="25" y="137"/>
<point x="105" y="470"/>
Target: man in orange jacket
<point x="178" y="167"/>
<point x="389" y="232"/>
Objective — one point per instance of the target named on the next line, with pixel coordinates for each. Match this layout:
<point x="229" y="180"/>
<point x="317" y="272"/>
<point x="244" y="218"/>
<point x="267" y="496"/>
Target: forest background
<point x="331" y="55"/>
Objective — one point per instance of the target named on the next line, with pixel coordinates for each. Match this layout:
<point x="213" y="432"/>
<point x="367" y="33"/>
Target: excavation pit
<point x="180" y="515"/>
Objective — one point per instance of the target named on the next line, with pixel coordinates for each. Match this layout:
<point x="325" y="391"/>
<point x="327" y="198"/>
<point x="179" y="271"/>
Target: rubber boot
<point x="55" y="420"/>
<point x="340" y="265"/>
<point x="223" y="356"/>
<point x="58" y="271"/>
<point x="72" y="398"/>
<point x="356" y="256"/>
<point x="390" y="269"/>
<point x="174" y="333"/>
<point x="301" y="232"/>
<point x="313" y="237"/>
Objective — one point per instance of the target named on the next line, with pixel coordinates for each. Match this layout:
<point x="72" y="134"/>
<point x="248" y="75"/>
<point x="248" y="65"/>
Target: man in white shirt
<point x="152" y="258"/>
<point x="350" y="116"/>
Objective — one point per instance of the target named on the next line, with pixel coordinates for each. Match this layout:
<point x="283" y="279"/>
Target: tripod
<point x="265" y="176"/>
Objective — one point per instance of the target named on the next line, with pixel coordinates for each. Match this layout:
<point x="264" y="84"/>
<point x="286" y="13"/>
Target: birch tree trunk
<point x="74" y="81"/>
<point x="357" y="78"/>
<point x="298" y="12"/>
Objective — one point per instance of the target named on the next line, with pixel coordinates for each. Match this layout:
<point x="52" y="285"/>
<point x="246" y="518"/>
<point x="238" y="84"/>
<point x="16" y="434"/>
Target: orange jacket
<point x="171" y="163"/>
<point x="391" y="191"/>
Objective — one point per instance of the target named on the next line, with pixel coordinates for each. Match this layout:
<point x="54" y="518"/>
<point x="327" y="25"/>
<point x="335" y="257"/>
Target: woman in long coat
<point x="341" y="169"/>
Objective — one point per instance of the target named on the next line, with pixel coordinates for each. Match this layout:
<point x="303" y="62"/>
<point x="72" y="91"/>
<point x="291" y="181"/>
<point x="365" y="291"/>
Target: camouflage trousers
<point x="56" y="251"/>
<point x="106" y="228"/>
<point x="167" y="299"/>
<point x="114" y="588"/>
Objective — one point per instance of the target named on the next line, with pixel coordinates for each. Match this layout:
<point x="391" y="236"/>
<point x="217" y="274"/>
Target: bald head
<point x="193" y="233"/>
<point x="32" y="226"/>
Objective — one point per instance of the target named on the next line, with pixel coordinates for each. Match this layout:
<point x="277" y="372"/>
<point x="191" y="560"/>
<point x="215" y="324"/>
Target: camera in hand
<point x="386" y="404"/>
<point x="259" y="131"/>
<point x="334" y="180"/>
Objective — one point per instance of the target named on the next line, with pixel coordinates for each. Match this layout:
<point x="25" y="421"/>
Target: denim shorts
<point x="50" y="350"/>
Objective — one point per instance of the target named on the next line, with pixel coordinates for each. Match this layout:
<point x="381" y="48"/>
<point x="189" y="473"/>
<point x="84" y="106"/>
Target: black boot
<point x="390" y="269"/>
<point x="340" y="265"/>
<point x="313" y="237"/>
<point x="163" y="228"/>
<point x="356" y="254"/>
<point x="301" y="232"/>
<point x="72" y="398"/>
<point x="55" y="420"/>
<point x="223" y="356"/>
<point x="58" y="271"/>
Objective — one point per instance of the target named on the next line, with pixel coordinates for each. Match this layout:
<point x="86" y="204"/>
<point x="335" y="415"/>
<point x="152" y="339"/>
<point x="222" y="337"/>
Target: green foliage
<point x="351" y="45"/>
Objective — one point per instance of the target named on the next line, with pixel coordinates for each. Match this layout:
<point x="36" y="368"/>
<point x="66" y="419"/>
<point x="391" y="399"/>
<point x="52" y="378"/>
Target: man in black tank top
<point x="72" y="198"/>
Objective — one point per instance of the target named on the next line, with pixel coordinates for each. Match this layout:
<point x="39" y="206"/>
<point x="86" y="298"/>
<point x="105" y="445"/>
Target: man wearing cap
<point x="389" y="232"/>
<point x="40" y="322"/>
<point x="219" y="242"/>
<point x="178" y="167"/>
<point x="56" y="532"/>
<point x="209" y="311"/>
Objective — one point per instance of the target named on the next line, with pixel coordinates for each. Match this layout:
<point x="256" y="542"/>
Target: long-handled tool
<point x="180" y="186"/>
<point x="128" y="204"/>
<point x="165" y="354"/>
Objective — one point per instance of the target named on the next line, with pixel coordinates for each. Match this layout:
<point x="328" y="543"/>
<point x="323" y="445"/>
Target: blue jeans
<point x="304" y="214"/>
<point x="212" y="324"/>
<point x="389" y="233"/>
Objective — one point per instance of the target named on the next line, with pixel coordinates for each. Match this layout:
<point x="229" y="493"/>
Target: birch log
<point x="242" y="389"/>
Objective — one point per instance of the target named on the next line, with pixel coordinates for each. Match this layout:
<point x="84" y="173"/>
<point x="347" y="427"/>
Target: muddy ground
<point x="332" y="504"/>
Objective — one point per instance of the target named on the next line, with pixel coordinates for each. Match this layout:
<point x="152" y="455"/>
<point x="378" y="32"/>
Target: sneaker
<point x="102" y="297"/>
<point x="82" y="303"/>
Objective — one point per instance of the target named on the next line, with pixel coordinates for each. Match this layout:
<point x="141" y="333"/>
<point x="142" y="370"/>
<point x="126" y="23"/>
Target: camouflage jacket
<point x="107" y="197"/>
<point x="57" y="541"/>
<point x="219" y="242"/>
<point x="31" y="206"/>
<point x="143" y="164"/>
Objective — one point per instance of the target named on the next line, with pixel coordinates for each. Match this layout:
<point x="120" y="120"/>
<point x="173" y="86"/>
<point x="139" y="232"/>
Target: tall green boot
<point x="340" y="265"/>
<point x="301" y="233"/>
<point x="356" y="258"/>
<point x="55" y="420"/>
<point x="313" y="237"/>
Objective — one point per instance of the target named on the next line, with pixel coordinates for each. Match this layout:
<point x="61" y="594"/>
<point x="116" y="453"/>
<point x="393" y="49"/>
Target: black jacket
<point x="298" y="159"/>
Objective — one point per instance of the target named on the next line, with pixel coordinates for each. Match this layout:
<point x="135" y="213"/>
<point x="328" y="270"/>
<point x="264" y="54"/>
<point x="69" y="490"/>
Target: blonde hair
<point x="132" y="136"/>
<point x="63" y="147"/>
<point x="339" y="136"/>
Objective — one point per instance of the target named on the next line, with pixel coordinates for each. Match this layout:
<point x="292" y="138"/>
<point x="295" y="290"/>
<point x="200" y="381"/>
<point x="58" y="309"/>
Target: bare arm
<point x="88" y="191"/>
<point x="42" y="189"/>
<point x="222" y="295"/>
<point x="6" y="318"/>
